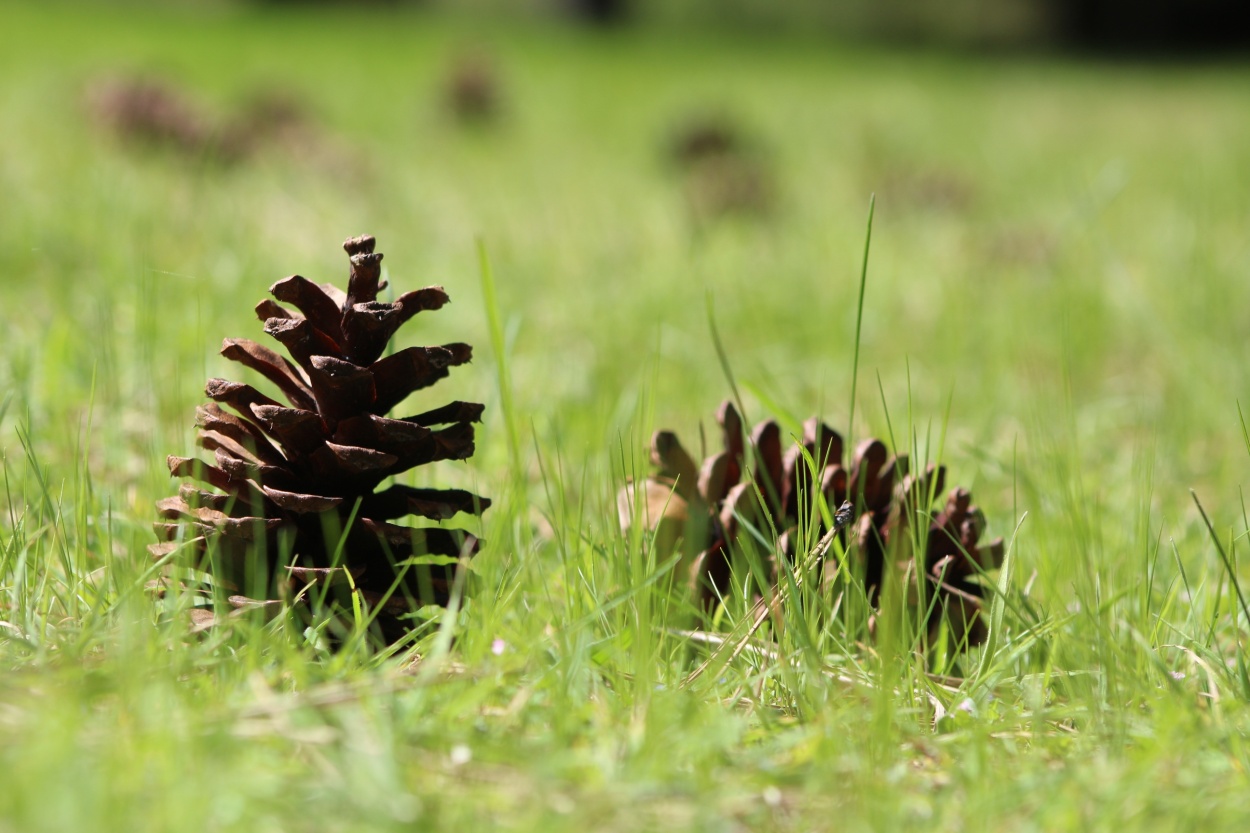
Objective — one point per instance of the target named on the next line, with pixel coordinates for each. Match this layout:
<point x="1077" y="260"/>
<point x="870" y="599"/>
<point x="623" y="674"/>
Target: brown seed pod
<point x="293" y="498"/>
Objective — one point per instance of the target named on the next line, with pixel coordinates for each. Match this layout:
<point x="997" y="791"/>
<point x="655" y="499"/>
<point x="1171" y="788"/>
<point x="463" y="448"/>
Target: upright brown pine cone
<point x="294" y="496"/>
<point x="705" y="505"/>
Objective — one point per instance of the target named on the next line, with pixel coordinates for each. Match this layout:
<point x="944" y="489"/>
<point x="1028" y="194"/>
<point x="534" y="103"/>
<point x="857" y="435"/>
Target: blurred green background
<point x="1158" y="26"/>
<point x="1055" y="237"/>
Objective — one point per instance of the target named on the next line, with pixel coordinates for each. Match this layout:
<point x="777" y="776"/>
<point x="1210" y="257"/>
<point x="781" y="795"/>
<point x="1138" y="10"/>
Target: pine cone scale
<point x="273" y="367"/>
<point x="301" y="339"/>
<point x="243" y="472"/>
<point x="299" y="432"/>
<point x="240" y="441"/>
<point x="406" y="541"/>
<point x="212" y="500"/>
<point x="716" y="477"/>
<point x="244" y="433"/>
<point x="455" y="442"/>
<point x="341" y="388"/>
<point x="453" y="412"/>
<point x="311" y="300"/>
<point x="220" y="443"/>
<point x="363" y="283"/>
<point x="237" y="395"/>
<point x="355" y="460"/>
<point x="436" y="504"/>
<point x="367" y="329"/>
<point x="413" y="369"/>
<point x="301" y="503"/>
<point x="394" y="435"/>
<point x="199" y="470"/>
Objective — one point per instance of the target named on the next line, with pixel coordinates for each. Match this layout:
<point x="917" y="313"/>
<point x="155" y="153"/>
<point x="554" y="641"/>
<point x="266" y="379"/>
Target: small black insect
<point x="844" y="515"/>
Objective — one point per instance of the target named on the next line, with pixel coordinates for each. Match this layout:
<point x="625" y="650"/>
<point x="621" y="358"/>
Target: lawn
<point x="1055" y="307"/>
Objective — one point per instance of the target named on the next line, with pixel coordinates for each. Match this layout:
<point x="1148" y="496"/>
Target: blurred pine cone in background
<point x="723" y="174"/>
<point x="707" y="507"/>
<point x="148" y="114"/>
<point x="294" y="506"/>
<point x="152" y="113"/>
<point x="471" y="91"/>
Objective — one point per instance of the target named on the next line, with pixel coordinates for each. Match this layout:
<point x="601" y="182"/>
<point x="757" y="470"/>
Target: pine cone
<point x="709" y="137"/>
<point x="723" y="173"/>
<point x="147" y="111"/>
<point x="289" y="479"/>
<point x="706" y="505"/>
<point x="472" y="90"/>
<point x="953" y="557"/>
<point x="150" y="113"/>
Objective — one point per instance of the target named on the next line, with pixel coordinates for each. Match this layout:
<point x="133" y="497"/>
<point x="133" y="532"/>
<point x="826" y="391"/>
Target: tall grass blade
<point x="490" y="297"/>
<point x="723" y="357"/>
<point x="998" y="607"/>
<point x="1228" y="564"/>
<point x="859" y="320"/>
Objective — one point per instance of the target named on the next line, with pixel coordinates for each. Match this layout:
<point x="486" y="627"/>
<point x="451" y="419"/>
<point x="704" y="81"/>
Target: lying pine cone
<point x="706" y="505"/>
<point x="153" y="113"/>
<point x="294" y="484"/>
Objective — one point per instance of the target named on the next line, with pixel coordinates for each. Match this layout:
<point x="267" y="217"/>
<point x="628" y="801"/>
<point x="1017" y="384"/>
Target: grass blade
<point x="859" y="320"/>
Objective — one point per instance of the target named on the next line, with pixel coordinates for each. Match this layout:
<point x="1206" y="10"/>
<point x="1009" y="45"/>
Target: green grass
<point x="1055" y="299"/>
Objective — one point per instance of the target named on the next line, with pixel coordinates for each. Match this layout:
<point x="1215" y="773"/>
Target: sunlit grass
<point x="1053" y="308"/>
